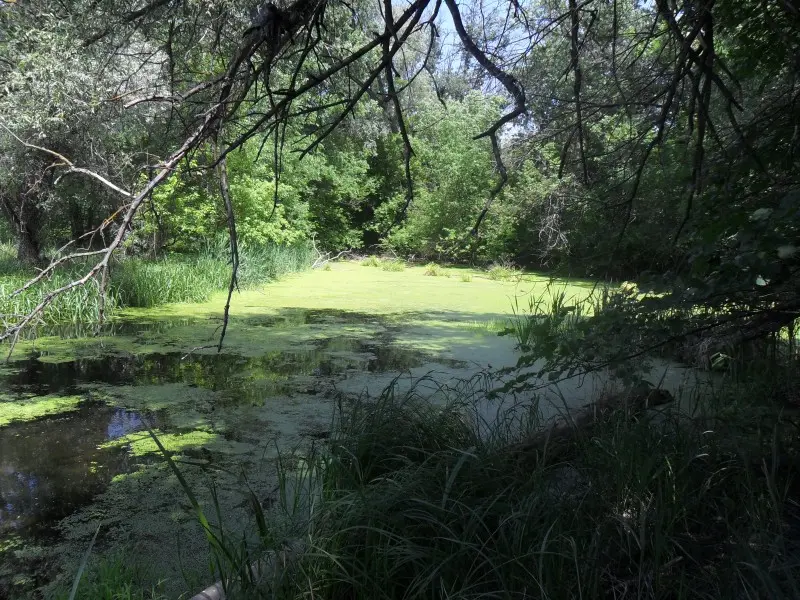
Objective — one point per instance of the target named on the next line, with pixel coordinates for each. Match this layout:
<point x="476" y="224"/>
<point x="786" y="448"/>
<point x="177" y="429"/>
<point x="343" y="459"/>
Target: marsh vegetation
<point x="406" y="299"/>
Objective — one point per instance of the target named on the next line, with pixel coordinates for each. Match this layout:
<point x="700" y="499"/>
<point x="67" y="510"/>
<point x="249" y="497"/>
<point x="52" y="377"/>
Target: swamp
<point x="399" y="300"/>
<point x="76" y="410"/>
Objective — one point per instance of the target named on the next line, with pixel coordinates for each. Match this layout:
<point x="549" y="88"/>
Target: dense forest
<point x="652" y="142"/>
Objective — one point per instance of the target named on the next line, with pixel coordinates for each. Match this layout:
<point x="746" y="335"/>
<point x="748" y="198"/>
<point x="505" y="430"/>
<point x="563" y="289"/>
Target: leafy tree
<point x="56" y="96"/>
<point x="453" y="176"/>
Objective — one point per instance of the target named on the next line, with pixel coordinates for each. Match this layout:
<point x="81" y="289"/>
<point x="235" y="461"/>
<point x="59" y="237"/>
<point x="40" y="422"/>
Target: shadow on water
<point x="216" y="372"/>
<point x="51" y="466"/>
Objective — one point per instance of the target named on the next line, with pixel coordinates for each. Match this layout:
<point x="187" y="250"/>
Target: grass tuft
<point x="371" y="261"/>
<point x="551" y="314"/>
<point x="434" y="270"/>
<point x="502" y="271"/>
<point x="466" y="277"/>
<point x="393" y="265"/>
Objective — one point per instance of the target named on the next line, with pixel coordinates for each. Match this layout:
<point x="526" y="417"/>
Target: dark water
<point x="52" y="466"/>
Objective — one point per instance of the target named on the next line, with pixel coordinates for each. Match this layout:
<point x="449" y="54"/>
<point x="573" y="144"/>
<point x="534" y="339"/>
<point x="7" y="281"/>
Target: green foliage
<point x="260" y="221"/>
<point x="371" y="261"/>
<point x="336" y="199"/>
<point x="434" y="270"/>
<point x="466" y="277"/>
<point x="453" y="176"/>
<point x="567" y="334"/>
<point x="393" y="265"/>
<point x="180" y="212"/>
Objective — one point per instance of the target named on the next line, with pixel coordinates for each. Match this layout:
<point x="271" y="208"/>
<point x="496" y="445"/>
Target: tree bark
<point x="25" y="220"/>
<point x="28" y="248"/>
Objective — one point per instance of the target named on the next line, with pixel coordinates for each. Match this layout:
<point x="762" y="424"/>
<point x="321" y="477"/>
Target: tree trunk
<point x="28" y="248"/>
<point x="25" y="220"/>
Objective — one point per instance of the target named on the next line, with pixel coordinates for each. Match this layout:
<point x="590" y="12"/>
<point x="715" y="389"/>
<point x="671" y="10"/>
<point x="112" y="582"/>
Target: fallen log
<point x="551" y="442"/>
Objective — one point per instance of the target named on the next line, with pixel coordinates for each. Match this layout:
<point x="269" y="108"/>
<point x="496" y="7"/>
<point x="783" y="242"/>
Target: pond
<point x="76" y="405"/>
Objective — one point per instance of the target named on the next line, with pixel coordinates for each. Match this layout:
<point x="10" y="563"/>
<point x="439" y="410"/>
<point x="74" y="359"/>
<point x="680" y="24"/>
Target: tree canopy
<point x="655" y="140"/>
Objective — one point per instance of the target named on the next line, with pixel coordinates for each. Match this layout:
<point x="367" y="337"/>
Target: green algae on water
<point x="36" y="407"/>
<point x="142" y="443"/>
<point x="267" y="388"/>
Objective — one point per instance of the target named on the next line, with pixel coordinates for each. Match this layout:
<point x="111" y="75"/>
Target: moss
<point x="36" y="407"/>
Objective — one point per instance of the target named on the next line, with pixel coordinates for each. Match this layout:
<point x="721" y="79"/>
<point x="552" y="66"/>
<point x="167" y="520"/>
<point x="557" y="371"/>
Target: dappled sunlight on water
<point x="51" y="466"/>
<point x="290" y="350"/>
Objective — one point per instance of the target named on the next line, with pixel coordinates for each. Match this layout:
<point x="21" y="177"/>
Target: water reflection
<point x="122" y="423"/>
<point x="216" y="372"/>
<point x="52" y="466"/>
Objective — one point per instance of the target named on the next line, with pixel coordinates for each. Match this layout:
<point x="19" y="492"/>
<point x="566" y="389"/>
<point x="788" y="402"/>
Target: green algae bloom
<point x="141" y="443"/>
<point x="36" y="407"/>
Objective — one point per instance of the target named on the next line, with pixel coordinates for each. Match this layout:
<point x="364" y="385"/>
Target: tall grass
<point x="409" y="501"/>
<point x="502" y="271"/>
<point x="115" y="577"/>
<point x="138" y="282"/>
<point x="547" y="314"/>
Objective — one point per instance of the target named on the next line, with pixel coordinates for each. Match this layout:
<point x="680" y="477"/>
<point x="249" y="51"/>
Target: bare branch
<point x="222" y="173"/>
<point x="576" y="68"/>
<point x="513" y="87"/>
<point x="64" y="161"/>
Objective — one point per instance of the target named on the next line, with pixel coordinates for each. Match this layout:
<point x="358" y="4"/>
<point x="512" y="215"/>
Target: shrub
<point x="434" y="270"/>
<point x="371" y="261"/>
<point x="393" y="265"/>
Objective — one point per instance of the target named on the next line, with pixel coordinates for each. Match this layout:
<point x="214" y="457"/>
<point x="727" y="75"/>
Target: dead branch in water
<point x="554" y="440"/>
